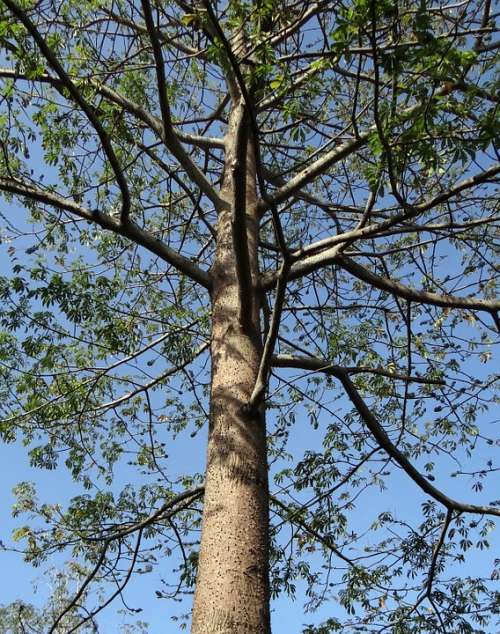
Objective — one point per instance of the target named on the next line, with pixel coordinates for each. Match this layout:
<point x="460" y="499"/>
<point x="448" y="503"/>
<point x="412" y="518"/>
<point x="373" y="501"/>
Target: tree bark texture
<point x="232" y="590"/>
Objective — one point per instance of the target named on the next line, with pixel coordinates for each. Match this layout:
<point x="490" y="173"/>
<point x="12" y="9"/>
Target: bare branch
<point x="82" y="588"/>
<point x="437" y="550"/>
<point x="117" y="591"/>
<point x="293" y="516"/>
<point x="173" y="505"/>
<point x="171" y="371"/>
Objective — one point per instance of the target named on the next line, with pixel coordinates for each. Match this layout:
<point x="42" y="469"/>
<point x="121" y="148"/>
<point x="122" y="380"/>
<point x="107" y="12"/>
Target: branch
<point x="169" y="136"/>
<point x="427" y="593"/>
<point x="238" y="169"/>
<point x="130" y="230"/>
<point x="140" y="29"/>
<point x="280" y="94"/>
<point x="320" y="253"/>
<point x="328" y="250"/>
<point x="437" y="549"/>
<point x="385" y="443"/>
<point x="77" y="96"/>
<point x="173" y="174"/>
<point x="186" y="496"/>
<point x="84" y="585"/>
<point x="117" y="591"/>
<point x="133" y="108"/>
<point x="270" y="343"/>
<point x="322" y="365"/>
<point x="290" y="29"/>
<point x="333" y="256"/>
<point x="190" y="496"/>
<point x="148" y="386"/>
<point x="294" y="518"/>
<point x="166" y="132"/>
<point x="416" y="295"/>
<point x="309" y="173"/>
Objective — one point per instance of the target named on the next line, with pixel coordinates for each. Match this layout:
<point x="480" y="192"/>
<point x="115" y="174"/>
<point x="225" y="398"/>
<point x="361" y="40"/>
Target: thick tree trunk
<point x="232" y="590"/>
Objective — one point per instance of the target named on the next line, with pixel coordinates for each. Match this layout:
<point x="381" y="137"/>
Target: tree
<point x="250" y="210"/>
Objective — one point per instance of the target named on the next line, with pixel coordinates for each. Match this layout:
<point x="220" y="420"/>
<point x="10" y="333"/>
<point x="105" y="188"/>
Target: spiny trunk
<point x="232" y="590"/>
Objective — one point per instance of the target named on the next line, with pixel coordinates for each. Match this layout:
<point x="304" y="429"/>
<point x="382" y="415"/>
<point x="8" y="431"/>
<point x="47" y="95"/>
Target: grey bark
<point x="232" y="589"/>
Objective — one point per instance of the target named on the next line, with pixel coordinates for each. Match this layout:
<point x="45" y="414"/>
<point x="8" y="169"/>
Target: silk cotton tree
<point x="268" y="224"/>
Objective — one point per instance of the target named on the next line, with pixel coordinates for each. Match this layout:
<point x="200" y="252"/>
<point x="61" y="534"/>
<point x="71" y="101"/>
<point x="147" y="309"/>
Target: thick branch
<point x="416" y="295"/>
<point x="322" y="365"/>
<point x="309" y="173"/>
<point x="322" y="253"/>
<point x="130" y="230"/>
<point x="270" y="343"/>
<point x="328" y="251"/>
<point x="237" y="153"/>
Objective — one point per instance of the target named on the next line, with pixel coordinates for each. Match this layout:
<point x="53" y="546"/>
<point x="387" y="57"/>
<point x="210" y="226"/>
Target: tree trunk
<point x="232" y="589"/>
